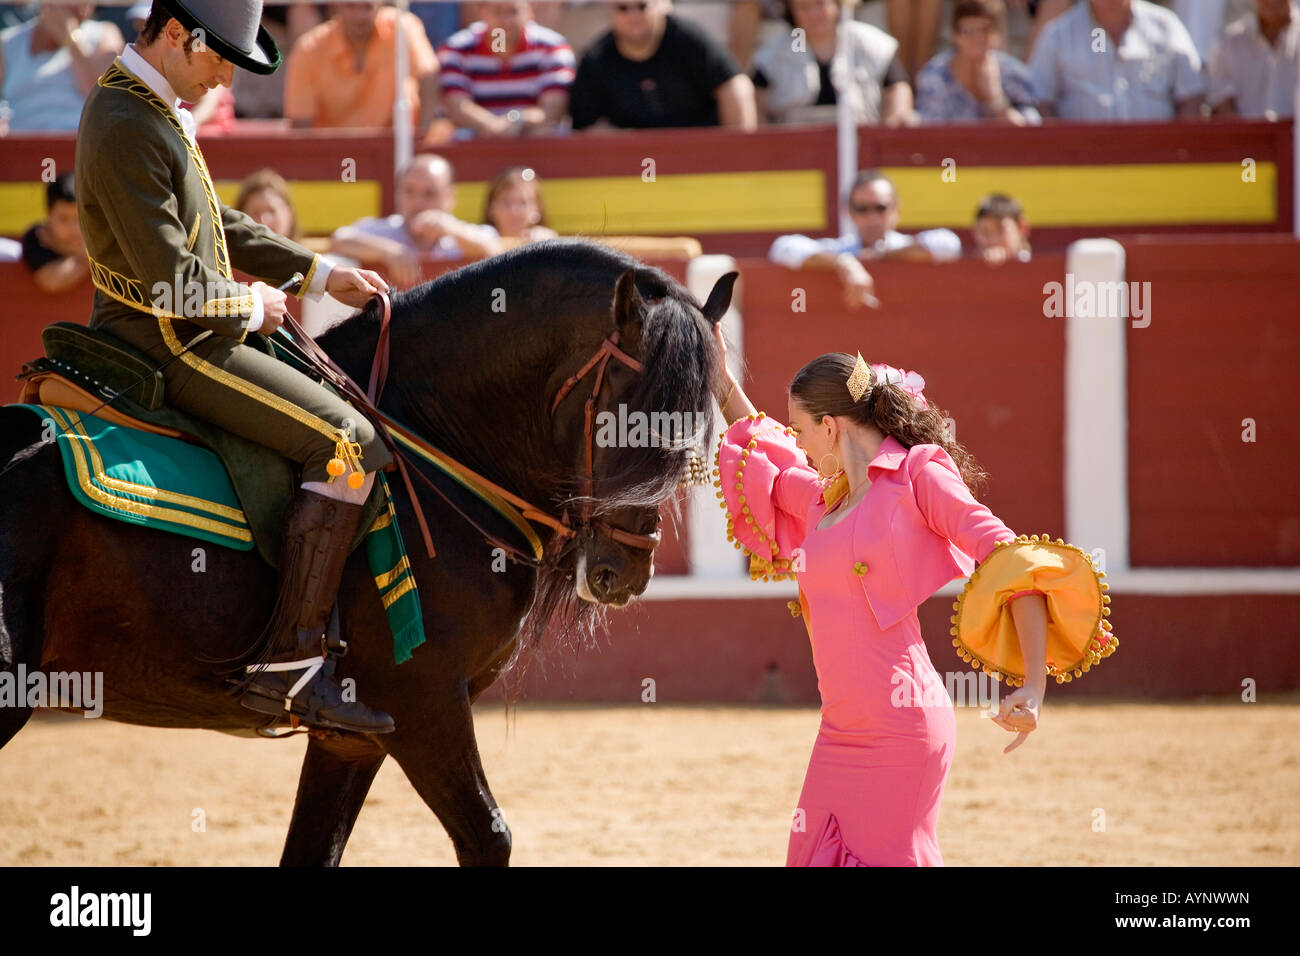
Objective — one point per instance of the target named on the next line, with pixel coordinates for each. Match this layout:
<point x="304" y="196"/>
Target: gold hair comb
<point x="859" y="379"/>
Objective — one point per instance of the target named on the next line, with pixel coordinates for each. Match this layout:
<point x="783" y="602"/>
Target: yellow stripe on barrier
<point x="1148" y="194"/>
<point x="1141" y="194"/>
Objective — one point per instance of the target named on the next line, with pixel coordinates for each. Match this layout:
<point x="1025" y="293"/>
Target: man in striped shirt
<point x="506" y="75"/>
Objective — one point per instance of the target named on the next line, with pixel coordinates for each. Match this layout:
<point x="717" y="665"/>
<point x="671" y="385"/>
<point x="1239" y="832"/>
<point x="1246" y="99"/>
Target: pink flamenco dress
<point x="875" y="780"/>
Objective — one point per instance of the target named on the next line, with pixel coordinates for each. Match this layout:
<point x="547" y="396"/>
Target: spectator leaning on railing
<point x="423" y="225"/>
<point x="1001" y="230"/>
<point x="341" y="73"/>
<point x="50" y="63"/>
<point x="1255" y="67"/>
<point x="874" y="208"/>
<point x="53" y="249"/>
<point x="1117" y="60"/>
<point x="795" y="73"/>
<point x="506" y="75"/>
<point x="975" y="80"/>
<point x="654" y="70"/>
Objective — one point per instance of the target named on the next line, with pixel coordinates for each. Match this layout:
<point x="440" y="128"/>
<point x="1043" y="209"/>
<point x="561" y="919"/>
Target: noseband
<point x="608" y="349"/>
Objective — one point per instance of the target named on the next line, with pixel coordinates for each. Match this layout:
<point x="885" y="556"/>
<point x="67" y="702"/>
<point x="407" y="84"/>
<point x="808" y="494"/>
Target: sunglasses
<point x="863" y="208"/>
<point x="629" y="7"/>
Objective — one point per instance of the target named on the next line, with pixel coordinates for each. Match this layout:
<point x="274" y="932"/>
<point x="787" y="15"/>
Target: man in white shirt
<point x="1255" y="66"/>
<point x="422" y="226"/>
<point x="874" y="207"/>
<point x="1117" y="60"/>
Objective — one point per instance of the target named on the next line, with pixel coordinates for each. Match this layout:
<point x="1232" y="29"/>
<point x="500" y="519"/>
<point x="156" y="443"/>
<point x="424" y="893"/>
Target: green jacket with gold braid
<point x="154" y="225"/>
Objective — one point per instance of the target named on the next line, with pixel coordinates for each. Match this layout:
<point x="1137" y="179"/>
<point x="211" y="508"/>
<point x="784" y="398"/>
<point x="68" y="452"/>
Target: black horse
<point x="477" y="358"/>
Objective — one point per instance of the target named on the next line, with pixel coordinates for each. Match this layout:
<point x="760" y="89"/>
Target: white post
<point x="709" y="553"/>
<point x="846" y="130"/>
<point x="1096" y="406"/>
<point x="403" y="135"/>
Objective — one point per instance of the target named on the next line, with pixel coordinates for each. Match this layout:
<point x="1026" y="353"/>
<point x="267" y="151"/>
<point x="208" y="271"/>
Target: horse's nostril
<point x="603" y="578"/>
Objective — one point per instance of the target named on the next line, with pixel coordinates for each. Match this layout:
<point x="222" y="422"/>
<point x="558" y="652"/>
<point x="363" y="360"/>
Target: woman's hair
<point x="821" y="387"/>
<point x="269" y="180"/>
<point x="513" y="176"/>
<point x="789" y="14"/>
<point x="994" y="10"/>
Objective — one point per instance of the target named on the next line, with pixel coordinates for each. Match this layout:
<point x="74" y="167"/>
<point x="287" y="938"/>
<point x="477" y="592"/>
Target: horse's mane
<point x="568" y="280"/>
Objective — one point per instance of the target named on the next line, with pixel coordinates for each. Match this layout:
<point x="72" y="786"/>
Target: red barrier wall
<point x="1223" y="346"/>
<point x="976" y="334"/>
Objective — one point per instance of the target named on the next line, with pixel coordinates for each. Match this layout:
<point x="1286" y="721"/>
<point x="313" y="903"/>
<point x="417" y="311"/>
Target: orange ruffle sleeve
<point x="1078" y="632"/>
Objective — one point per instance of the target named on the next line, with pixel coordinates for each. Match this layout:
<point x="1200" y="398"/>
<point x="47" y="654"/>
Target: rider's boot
<point x="317" y="536"/>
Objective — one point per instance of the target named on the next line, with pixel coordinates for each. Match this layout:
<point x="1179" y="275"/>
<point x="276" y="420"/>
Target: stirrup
<point x="311" y="665"/>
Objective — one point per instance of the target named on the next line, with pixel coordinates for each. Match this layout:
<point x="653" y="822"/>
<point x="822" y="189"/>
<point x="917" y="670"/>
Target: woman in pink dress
<point x="865" y="500"/>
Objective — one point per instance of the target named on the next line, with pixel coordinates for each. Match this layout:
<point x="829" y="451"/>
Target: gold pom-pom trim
<point x="761" y="567"/>
<point x="1102" y="644"/>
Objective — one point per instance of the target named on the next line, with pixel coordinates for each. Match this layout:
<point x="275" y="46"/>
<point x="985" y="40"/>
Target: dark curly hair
<point x="821" y="388"/>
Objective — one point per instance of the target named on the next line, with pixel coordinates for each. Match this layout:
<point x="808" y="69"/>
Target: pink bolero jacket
<point x="916" y="528"/>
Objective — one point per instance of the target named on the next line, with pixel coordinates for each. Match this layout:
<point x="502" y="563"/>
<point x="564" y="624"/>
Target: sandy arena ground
<point x="1180" y="784"/>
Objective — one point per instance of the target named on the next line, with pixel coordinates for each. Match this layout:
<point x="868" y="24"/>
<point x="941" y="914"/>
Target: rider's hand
<point x="354" y="287"/>
<point x="274" y="306"/>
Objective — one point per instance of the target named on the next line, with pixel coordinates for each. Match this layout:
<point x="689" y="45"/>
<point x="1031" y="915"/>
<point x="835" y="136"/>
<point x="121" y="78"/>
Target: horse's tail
<point x="31" y="473"/>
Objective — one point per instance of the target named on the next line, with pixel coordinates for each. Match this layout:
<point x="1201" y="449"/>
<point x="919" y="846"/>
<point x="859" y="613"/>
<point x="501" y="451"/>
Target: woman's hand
<point x="725" y="380"/>
<point x="1018" y="713"/>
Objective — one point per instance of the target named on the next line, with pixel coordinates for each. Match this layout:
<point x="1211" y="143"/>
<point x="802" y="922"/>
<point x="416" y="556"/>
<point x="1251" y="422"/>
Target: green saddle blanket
<point x="172" y="485"/>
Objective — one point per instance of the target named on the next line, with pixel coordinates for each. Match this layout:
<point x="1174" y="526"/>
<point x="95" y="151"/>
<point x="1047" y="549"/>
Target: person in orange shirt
<point x="341" y="73"/>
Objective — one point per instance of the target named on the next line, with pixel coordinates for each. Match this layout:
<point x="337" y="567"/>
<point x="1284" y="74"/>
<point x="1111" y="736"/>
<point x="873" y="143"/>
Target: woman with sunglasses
<point x="864" y="499"/>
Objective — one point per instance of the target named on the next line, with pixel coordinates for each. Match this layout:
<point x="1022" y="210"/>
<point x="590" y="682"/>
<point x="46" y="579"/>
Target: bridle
<point x="367" y="401"/>
<point x="599" y="361"/>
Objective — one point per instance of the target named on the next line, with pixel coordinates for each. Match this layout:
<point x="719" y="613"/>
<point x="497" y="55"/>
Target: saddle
<point x="83" y="367"/>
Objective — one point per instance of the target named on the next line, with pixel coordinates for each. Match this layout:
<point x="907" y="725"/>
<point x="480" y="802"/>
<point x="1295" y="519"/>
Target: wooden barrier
<point x="736" y="192"/>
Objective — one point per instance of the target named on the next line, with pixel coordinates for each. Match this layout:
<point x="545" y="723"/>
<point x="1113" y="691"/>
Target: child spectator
<point x="1001" y="230"/>
<point x="514" y="206"/>
<point x="264" y="196"/>
<point x="53" y="249"/>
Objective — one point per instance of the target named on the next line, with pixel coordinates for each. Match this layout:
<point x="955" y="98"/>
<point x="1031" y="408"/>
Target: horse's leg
<point x="336" y="776"/>
<point x="442" y="763"/>
<point x="17" y="635"/>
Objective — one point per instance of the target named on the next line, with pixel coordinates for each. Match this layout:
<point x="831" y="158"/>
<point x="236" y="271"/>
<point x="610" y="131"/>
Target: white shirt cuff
<point x="255" y="322"/>
<point x="316" y="288"/>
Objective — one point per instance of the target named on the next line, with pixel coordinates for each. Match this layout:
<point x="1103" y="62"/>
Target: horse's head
<point x="645" y="409"/>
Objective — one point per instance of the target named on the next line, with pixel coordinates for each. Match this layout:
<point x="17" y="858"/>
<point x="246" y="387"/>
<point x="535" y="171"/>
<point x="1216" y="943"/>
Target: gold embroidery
<point x="84" y="477"/>
<point x="118" y="77"/>
<point x="281" y="405"/>
<point x="306" y="282"/>
<point x="194" y="232"/>
<point x="382" y="522"/>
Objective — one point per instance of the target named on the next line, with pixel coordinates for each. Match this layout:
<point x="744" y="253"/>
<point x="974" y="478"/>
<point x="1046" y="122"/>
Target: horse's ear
<point x="720" y="298"/>
<point x="629" y="307"/>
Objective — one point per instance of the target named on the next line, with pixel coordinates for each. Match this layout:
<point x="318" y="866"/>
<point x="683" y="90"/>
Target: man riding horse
<point x="155" y="230"/>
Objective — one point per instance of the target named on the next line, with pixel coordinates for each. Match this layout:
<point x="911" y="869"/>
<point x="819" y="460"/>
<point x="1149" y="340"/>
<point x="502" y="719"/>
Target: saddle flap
<point x="107" y="361"/>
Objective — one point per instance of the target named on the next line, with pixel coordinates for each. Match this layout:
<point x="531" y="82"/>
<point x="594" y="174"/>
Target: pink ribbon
<point x="910" y="382"/>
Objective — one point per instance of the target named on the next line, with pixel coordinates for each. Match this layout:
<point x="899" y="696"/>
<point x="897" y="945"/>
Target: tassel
<point x="346" y="453"/>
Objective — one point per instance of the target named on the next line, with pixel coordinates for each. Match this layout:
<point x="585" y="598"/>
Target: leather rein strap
<point x="367" y="402"/>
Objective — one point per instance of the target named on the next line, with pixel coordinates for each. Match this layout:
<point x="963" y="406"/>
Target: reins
<point x="367" y="401"/>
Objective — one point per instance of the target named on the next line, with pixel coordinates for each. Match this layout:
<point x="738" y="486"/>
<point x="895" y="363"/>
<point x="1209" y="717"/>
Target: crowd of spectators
<point x="510" y="69"/>
<point x="521" y="69"/>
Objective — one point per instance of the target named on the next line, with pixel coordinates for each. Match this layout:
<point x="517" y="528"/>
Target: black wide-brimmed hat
<point x="231" y="28"/>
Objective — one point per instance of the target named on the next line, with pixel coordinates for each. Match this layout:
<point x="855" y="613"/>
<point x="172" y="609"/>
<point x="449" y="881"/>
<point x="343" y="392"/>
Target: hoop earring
<point x="821" y="471"/>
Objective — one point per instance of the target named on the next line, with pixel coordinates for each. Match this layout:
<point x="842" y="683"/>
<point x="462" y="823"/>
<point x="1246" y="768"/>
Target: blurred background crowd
<point x="552" y="68"/>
